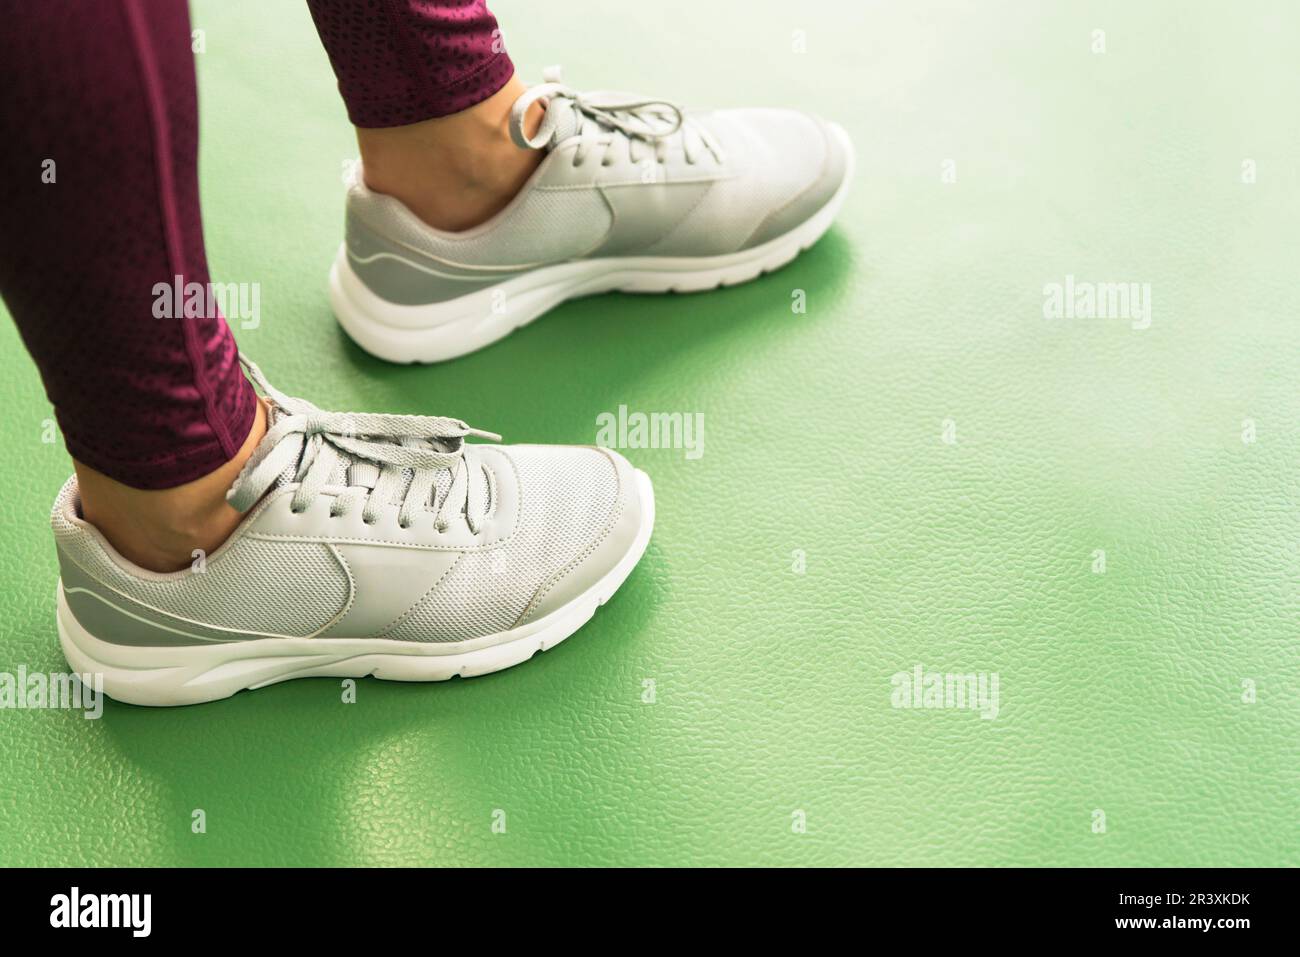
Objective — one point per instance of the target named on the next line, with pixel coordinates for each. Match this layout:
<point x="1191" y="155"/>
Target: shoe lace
<point x="603" y="120"/>
<point x="384" y="455"/>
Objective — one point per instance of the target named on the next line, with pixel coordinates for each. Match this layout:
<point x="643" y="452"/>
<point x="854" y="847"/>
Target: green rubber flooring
<point x="921" y="469"/>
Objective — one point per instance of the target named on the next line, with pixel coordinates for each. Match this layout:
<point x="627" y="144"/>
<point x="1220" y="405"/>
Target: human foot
<point x="631" y="194"/>
<point x="370" y="544"/>
<point x="457" y="171"/>
<point x="164" y="530"/>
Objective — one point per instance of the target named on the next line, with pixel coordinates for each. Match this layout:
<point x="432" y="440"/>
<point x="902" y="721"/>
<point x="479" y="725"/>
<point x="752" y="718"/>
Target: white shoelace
<point x="381" y="452"/>
<point x="600" y="120"/>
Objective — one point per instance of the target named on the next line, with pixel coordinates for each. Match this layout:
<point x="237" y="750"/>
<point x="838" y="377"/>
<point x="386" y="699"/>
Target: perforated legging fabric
<point x="402" y="61"/>
<point x="99" y="202"/>
<point x="99" y="206"/>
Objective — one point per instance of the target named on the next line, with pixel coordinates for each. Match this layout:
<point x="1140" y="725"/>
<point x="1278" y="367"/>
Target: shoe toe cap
<point x="813" y="156"/>
<point x="614" y="539"/>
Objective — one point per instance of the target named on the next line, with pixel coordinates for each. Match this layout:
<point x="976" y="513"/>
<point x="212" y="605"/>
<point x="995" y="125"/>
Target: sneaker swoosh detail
<point x="385" y="586"/>
<point x="645" y="215"/>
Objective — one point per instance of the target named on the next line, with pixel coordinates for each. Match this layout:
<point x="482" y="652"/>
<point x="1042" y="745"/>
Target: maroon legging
<point x="99" y="203"/>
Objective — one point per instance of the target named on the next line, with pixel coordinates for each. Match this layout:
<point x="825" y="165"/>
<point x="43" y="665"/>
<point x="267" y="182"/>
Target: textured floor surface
<point x="921" y="469"/>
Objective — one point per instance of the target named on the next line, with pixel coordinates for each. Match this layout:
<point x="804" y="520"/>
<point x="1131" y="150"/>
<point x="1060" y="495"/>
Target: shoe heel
<point x="438" y="331"/>
<point x="127" y="677"/>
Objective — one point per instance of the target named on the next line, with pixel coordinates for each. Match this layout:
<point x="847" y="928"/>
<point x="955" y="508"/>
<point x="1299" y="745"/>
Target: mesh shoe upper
<point x="452" y="564"/>
<point x="719" y="182"/>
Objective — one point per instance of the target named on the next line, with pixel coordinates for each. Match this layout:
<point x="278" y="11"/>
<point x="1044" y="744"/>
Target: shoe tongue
<point x="359" y="472"/>
<point x="567" y="119"/>
<point x="273" y="415"/>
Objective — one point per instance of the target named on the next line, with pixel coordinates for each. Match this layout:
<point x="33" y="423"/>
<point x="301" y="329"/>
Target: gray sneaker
<point x="634" y="194"/>
<point x="372" y="545"/>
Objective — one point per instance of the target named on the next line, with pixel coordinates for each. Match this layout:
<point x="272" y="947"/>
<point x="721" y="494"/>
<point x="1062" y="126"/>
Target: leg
<point x="429" y="87"/>
<point x="99" y="186"/>
<point x="382" y="538"/>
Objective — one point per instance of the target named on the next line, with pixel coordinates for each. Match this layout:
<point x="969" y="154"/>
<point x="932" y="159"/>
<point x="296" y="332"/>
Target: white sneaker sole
<point x="444" y="330"/>
<point x="194" y="674"/>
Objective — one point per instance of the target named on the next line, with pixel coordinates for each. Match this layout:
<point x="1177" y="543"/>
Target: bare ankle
<point x="456" y="171"/>
<point x="162" y="529"/>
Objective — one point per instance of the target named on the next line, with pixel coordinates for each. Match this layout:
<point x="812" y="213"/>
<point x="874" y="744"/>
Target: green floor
<point x="1125" y="693"/>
